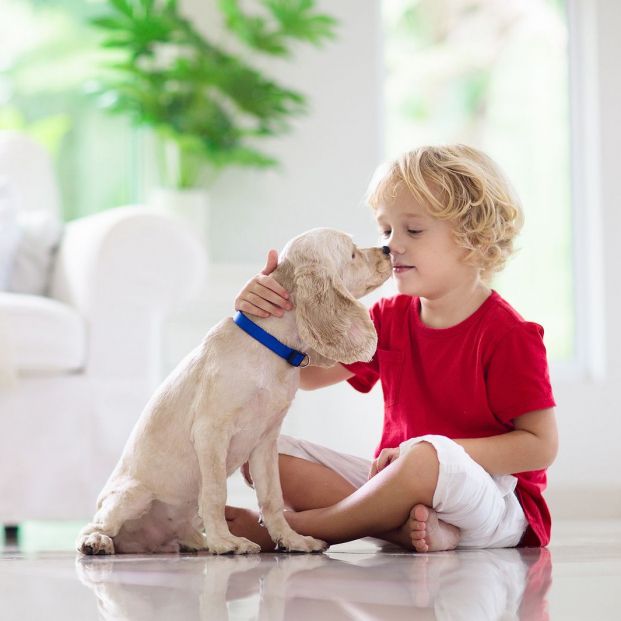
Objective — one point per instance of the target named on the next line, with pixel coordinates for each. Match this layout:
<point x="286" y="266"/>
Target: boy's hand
<point x="386" y="457"/>
<point x="262" y="296"/>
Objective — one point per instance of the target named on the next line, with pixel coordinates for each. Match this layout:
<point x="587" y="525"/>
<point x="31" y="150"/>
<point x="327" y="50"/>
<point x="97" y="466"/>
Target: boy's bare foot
<point x="429" y="534"/>
<point x="245" y="523"/>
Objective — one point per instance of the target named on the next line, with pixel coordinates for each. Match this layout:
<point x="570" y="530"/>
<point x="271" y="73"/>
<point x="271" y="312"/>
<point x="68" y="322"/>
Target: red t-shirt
<point x="467" y="381"/>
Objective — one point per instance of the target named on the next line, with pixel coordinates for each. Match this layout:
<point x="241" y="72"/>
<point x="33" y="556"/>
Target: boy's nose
<point x="386" y="249"/>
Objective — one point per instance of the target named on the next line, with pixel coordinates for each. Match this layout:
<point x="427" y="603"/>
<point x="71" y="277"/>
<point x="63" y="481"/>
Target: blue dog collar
<point x="292" y="356"/>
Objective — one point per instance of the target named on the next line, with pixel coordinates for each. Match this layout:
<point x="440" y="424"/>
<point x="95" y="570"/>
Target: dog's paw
<point x="299" y="543"/>
<point x="231" y="545"/>
<point x="95" y="543"/>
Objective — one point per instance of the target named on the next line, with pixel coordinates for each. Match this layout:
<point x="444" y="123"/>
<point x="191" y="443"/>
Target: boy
<point x="469" y="420"/>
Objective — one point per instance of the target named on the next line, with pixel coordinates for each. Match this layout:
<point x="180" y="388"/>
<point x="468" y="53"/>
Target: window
<point x="495" y="75"/>
<point x="47" y="57"/>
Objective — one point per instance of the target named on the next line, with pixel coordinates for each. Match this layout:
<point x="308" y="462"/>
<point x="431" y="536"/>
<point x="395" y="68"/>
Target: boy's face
<point x="427" y="262"/>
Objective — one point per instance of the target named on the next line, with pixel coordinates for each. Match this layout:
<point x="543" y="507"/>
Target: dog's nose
<point x="386" y="249"/>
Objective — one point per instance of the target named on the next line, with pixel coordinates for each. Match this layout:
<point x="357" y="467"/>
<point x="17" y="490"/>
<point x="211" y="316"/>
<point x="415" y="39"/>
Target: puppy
<point x="224" y="404"/>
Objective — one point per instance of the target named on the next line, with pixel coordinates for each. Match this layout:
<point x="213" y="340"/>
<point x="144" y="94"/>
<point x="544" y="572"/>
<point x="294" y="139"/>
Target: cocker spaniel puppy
<point x="224" y="404"/>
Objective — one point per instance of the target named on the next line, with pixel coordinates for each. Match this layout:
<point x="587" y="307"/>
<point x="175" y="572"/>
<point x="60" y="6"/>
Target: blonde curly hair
<point x="465" y="187"/>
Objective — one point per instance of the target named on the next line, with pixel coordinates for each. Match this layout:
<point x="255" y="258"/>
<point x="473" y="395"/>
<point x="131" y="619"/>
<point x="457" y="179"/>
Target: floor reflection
<point x="470" y="585"/>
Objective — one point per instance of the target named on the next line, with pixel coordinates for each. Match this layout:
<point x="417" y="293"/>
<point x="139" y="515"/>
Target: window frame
<point x="589" y="357"/>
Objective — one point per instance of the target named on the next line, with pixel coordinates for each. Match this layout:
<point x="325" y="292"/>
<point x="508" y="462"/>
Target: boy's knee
<point x="421" y="454"/>
<point x="289" y="469"/>
<point x="421" y="466"/>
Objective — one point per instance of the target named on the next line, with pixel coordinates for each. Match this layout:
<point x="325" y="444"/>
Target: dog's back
<point x="241" y="395"/>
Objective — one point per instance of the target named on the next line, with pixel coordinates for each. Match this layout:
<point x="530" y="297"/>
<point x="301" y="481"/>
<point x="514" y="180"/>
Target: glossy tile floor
<point x="578" y="577"/>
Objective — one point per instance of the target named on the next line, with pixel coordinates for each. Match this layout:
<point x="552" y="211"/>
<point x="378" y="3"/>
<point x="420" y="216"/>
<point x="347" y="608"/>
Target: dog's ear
<point x="330" y="319"/>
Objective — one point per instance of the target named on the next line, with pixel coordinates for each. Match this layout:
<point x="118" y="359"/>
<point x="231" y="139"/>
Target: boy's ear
<point x="330" y="319"/>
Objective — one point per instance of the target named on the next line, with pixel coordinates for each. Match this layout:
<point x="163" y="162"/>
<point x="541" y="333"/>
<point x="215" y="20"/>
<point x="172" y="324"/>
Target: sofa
<point x="81" y="356"/>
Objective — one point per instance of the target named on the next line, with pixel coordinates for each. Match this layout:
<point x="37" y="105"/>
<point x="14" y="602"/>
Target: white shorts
<point x="484" y="507"/>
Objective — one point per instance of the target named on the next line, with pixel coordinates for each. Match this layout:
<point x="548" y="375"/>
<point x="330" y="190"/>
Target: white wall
<point x="328" y="156"/>
<point x="327" y="161"/>
<point x="587" y="474"/>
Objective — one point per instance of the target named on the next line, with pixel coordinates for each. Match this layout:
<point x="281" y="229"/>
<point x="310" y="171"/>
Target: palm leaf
<point x="166" y="75"/>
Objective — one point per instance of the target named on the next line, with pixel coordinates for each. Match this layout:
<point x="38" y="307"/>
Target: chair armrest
<point x="124" y="269"/>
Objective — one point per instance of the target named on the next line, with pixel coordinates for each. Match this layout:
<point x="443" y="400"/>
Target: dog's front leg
<point x="263" y="464"/>
<point x="211" y="449"/>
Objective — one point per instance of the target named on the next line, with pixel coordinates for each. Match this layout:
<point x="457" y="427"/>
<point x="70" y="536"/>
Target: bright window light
<point x="494" y="74"/>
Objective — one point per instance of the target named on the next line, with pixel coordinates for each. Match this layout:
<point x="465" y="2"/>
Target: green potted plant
<point x="208" y="107"/>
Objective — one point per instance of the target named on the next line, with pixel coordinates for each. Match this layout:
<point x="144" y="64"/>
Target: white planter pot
<point x="190" y="205"/>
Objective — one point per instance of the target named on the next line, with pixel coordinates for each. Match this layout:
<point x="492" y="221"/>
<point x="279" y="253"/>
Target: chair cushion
<point x="29" y="195"/>
<point x="44" y="334"/>
<point x="38" y="238"/>
<point x="9" y="234"/>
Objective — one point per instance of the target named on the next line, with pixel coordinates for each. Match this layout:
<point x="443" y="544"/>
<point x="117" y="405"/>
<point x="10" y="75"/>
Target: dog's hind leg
<point x="127" y="502"/>
<point x="211" y="449"/>
<point x="263" y="464"/>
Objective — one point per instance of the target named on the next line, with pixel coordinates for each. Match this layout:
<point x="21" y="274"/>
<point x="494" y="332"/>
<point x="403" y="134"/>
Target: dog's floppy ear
<point x="330" y="319"/>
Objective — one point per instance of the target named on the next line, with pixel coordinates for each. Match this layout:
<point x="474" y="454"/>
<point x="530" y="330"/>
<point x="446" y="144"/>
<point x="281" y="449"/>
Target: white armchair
<point x="87" y="357"/>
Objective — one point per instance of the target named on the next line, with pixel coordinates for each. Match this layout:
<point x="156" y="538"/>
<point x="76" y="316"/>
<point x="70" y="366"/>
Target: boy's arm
<point x="533" y="445"/>
<point x="262" y="295"/>
<point x="318" y="377"/>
